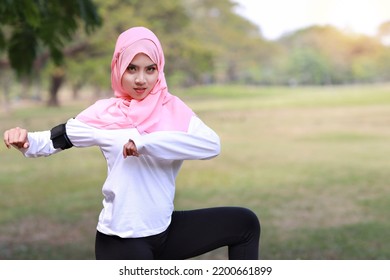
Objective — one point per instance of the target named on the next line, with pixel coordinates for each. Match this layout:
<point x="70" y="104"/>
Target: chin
<point x="139" y="98"/>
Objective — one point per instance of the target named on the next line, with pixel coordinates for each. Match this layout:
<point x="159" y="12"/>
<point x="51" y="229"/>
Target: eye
<point x="151" y="69"/>
<point x="131" y="68"/>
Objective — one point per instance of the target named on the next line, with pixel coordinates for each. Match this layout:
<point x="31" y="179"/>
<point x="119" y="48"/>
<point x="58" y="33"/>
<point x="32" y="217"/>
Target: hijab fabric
<point x="159" y="111"/>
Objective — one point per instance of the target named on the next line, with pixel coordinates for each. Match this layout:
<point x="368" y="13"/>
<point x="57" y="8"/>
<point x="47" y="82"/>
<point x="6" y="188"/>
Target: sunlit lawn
<point x="313" y="163"/>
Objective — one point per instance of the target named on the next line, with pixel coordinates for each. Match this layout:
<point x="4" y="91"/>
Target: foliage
<point x="166" y="18"/>
<point x="30" y="25"/>
<point x="384" y="31"/>
<point x="205" y="42"/>
<point x="325" y="55"/>
<point x="236" y="43"/>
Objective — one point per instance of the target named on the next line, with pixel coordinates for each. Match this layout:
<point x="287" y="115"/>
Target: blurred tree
<point x="238" y="48"/>
<point x="34" y="31"/>
<point x="384" y="32"/>
<point x="184" y="54"/>
<point x="204" y="41"/>
<point x="29" y="25"/>
<point x="326" y="55"/>
<point x="384" y="29"/>
<point x="315" y="54"/>
<point x="307" y="66"/>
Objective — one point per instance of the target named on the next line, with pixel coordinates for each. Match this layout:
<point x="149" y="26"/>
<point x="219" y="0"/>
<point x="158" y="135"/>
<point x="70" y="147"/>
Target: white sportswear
<point x="138" y="191"/>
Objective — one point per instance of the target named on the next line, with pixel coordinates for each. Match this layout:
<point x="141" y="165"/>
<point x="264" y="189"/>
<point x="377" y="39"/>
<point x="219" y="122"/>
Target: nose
<point x="140" y="79"/>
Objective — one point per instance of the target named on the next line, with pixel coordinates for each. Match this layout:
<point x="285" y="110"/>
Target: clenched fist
<point x="130" y="149"/>
<point x="16" y="137"/>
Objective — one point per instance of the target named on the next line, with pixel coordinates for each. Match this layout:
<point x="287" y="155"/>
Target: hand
<point x="16" y="137"/>
<point x="130" y="149"/>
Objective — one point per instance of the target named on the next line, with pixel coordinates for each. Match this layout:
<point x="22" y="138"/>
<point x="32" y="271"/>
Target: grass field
<point x="313" y="163"/>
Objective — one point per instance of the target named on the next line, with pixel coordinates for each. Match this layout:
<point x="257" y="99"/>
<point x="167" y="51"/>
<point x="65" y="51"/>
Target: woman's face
<point x="140" y="77"/>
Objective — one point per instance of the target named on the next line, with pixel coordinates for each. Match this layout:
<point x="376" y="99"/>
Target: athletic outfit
<point x="138" y="220"/>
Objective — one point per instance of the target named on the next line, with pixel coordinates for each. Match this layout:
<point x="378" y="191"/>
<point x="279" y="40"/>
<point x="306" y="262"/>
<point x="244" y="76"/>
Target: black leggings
<point x="191" y="233"/>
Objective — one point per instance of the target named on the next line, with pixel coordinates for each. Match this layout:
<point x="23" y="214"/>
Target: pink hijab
<point x="157" y="112"/>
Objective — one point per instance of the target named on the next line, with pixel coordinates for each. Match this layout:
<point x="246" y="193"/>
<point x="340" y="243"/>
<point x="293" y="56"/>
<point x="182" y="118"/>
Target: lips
<point x="140" y="90"/>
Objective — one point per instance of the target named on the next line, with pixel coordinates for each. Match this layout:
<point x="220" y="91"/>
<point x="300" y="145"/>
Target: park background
<point x="303" y="120"/>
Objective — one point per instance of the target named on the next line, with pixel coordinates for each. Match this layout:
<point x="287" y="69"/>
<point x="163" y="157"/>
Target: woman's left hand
<point x="130" y="149"/>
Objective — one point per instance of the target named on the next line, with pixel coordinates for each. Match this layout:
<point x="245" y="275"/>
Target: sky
<point x="276" y="17"/>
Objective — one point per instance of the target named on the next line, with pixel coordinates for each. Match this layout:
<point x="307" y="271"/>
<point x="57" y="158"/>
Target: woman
<point x="145" y="134"/>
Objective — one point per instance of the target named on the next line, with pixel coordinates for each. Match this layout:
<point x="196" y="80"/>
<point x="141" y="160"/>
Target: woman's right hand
<point x="16" y="137"/>
<point x="130" y="149"/>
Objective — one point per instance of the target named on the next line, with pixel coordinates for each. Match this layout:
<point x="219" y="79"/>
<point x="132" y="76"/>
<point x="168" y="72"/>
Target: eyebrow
<point x="132" y="64"/>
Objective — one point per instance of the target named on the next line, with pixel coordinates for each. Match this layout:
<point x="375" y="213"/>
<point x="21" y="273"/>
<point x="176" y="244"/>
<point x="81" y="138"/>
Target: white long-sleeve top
<point x="138" y="191"/>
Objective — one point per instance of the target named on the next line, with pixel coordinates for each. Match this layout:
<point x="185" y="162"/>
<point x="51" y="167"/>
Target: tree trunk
<point x="76" y="89"/>
<point x="6" y="80"/>
<point x="57" y="78"/>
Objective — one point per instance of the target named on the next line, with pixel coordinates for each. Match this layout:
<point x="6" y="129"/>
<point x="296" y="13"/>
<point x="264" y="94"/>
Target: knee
<point x="250" y="220"/>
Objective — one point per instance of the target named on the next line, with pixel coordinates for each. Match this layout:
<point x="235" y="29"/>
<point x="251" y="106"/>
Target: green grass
<point x="313" y="163"/>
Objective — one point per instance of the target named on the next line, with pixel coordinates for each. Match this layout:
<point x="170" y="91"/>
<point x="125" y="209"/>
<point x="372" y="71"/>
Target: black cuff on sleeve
<point x="59" y="138"/>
